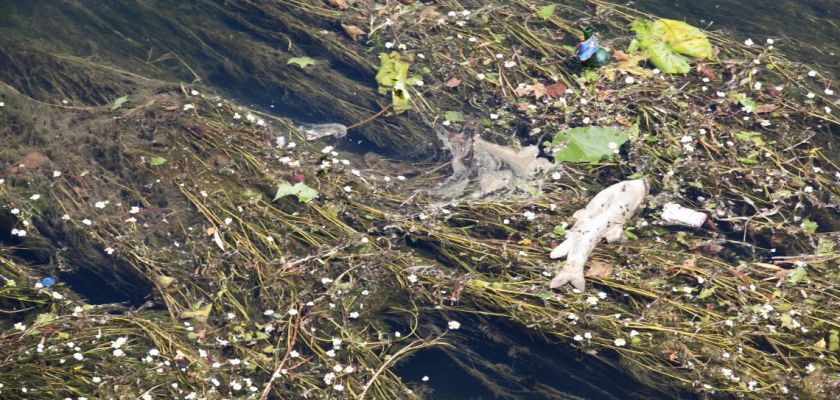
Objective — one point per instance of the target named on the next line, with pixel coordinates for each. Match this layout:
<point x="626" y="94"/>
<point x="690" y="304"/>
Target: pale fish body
<point x="603" y="218"/>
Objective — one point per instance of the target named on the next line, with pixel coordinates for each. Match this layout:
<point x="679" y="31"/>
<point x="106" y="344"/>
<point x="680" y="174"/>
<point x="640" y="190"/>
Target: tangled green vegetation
<point x="163" y="203"/>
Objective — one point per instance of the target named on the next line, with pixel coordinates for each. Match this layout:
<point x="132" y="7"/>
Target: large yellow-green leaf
<point x="392" y="77"/>
<point x="667" y="60"/>
<point x="683" y="38"/>
<point x="667" y="40"/>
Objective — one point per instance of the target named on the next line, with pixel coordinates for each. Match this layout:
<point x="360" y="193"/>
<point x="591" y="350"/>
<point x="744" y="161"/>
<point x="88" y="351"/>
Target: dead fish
<point x="603" y="218"/>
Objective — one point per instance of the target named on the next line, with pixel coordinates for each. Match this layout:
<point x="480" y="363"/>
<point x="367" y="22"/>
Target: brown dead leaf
<point x="453" y="83"/>
<point x="765" y="108"/>
<point x="539" y="90"/>
<point x="353" y="31"/>
<point x="599" y="269"/>
<point x="523" y="90"/>
<point x="428" y="13"/>
<point x="619" y="55"/>
<point x="706" y="71"/>
<point x="340" y="4"/>
<point x="34" y="160"/>
<point x="556" y="90"/>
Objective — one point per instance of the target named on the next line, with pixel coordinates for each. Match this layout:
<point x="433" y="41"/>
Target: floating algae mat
<point x="161" y="238"/>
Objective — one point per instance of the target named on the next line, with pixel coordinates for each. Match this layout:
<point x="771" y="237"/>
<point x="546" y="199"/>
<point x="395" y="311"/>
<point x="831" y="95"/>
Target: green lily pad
<point x="303" y="192"/>
<point x="587" y="144"/>
<point x="302" y="62"/>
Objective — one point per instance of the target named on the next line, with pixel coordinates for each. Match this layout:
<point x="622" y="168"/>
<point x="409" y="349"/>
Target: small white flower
<point x="810" y="95"/>
<point x="656" y="71"/>
<point x="510" y="64"/>
<point x="330" y="353"/>
<point x="188" y="107"/>
<point x="587" y="335"/>
<point x="578" y="338"/>
<point x="389" y="45"/>
<point x="454" y="325"/>
<point x="235" y="361"/>
<point x="294" y="354"/>
<point x="87" y="222"/>
<point x="412" y="278"/>
<point x="96" y="379"/>
<point x="629" y="80"/>
<point x="338" y="387"/>
<point x="348" y="189"/>
<point x="78" y="356"/>
<point x="812" y="73"/>
<point x="56" y="174"/>
<point x="619" y="342"/>
<point x="154" y="352"/>
<point x="35" y="197"/>
<point x="118" y="353"/>
<point x="828" y="91"/>
<point x="237" y="116"/>
<point x="770" y="41"/>
<point x="810" y="368"/>
<point x="109" y="250"/>
<point x="749" y="42"/>
<point x="57" y="296"/>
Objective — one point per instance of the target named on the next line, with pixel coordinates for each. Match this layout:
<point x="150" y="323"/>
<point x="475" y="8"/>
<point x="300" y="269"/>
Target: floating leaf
<point x="198" y="315"/>
<point x="119" y="102"/>
<point x="667" y="41"/>
<point x="453" y="116"/>
<point x="587" y="144"/>
<point x="303" y="192"/>
<point x="559" y="230"/>
<point x="797" y="275"/>
<point x="809" y="226"/>
<point x="302" y="62"/>
<point x="392" y="78"/>
<point x="683" y="38"/>
<point x="834" y="340"/>
<point x="706" y="293"/>
<point x="599" y="269"/>
<point x="749" y="105"/>
<point x="547" y="11"/>
<point x="155" y="161"/>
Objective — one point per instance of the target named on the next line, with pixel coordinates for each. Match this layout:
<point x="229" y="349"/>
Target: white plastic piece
<point x="675" y="214"/>
<point x="603" y="218"/>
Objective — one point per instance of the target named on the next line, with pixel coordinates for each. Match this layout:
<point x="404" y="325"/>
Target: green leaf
<point x="547" y="11"/>
<point x="587" y="144"/>
<point x="834" y="341"/>
<point x="199" y="315"/>
<point x="303" y="192"/>
<point x="683" y="38"/>
<point x="809" y="226"/>
<point x="667" y="41"/>
<point x="748" y="104"/>
<point x="155" y="161"/>
<point x="302" y="62"/>
<point x="453" y="116"/>
<point x="787" y="321"/>
<point x="545" y="295"/>
<point x="750" y="136"/>
<point x="119" y="102"/>
<point x="706" y="293"/>
<point x="797" y="275"/>
<point x="559" y="230"/>
<point x="392" y="78"/>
